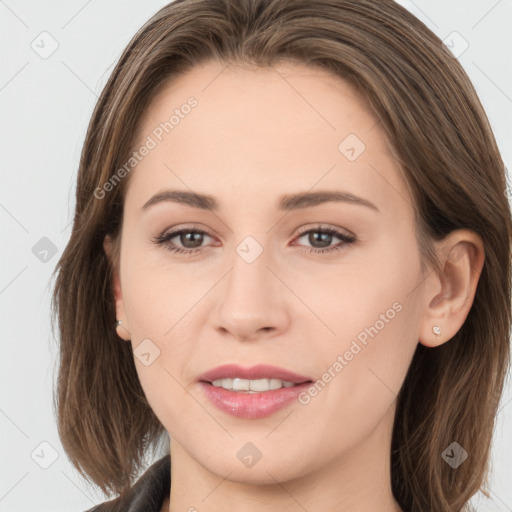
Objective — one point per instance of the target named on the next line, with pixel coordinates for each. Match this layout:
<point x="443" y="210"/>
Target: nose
<point x="252" y="300"/>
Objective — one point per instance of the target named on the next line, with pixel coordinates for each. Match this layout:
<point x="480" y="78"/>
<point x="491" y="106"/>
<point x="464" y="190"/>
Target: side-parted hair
<point x="442" y="141"/>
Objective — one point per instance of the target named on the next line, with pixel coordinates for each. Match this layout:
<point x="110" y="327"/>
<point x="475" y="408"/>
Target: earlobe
<point x="121" y="322"/>
<point x="449" y="295"/>
<point x="122" y="331"/>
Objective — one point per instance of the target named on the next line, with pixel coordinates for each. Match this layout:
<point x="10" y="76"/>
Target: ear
<point x="123" y="329"/>
<point x="450" y="294"/>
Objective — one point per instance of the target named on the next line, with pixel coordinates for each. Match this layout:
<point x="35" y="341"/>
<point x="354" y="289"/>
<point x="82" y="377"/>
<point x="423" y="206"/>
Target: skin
<point x="255" y="135"/>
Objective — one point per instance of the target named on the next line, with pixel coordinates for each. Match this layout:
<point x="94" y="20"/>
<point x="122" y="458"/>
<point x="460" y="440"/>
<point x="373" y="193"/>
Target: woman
<point x="291" y="256"/>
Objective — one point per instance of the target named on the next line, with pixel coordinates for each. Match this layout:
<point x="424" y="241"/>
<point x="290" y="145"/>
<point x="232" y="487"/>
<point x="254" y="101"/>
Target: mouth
<point x="240" y="385"/>
<point x="259" y="378"/>
<point x="254" y="392"/>
<point x="249" y="403"/>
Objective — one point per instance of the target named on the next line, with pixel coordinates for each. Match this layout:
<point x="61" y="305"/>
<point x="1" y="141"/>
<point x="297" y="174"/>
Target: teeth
<point x="252" y="386"/>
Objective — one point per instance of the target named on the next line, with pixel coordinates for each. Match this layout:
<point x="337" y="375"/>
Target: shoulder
<point x="146" y="495"/>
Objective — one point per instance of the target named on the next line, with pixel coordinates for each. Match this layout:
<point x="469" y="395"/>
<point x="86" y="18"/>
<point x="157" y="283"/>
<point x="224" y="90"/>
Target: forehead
<point x="288" y="126"/>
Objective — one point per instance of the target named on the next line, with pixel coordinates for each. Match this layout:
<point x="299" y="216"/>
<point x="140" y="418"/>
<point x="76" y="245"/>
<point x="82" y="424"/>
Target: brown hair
<point x="444" y="144"/>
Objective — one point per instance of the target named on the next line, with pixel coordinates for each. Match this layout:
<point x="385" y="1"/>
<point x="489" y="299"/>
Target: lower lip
<point x="252" y="405"/>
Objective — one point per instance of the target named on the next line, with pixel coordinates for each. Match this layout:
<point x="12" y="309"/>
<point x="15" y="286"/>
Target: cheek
<point x="373" y="318"/>
<point x="361" y="380"/>
<point x="162" y="304"/>
<point x="156" y="295"/>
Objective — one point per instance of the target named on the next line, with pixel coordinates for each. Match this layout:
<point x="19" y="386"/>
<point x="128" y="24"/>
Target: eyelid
<point x="324" y="227"/>
<point x="187" y="227"/>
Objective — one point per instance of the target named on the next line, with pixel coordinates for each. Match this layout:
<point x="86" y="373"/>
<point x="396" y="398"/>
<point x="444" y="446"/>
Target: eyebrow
<point x="288" y="202"/>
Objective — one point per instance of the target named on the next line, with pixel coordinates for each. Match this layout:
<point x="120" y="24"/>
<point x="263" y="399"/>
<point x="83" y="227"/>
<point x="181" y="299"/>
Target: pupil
<point x="187" y="237"/>
<point x="325" y="238"/>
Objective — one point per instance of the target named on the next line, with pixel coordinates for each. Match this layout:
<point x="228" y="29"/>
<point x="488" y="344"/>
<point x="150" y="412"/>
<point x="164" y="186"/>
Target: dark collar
<point x="147" y="494"/>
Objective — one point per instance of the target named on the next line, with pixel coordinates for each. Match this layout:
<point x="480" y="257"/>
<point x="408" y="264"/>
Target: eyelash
<point x="164" y="240"/>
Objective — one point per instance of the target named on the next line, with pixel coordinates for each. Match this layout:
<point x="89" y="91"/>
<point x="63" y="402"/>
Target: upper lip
<point x="260" y="371"/>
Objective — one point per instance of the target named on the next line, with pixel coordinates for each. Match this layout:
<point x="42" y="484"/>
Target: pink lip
<point x="260" y="371"/>
<point x="252" y="405"/>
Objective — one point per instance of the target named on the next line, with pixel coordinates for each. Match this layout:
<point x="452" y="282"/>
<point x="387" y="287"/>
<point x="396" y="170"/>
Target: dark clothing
<point x="147" y="494"/>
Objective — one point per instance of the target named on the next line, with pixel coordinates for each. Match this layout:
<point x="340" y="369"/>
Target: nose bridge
<point x="250" y="277"/>
<point x="251" y="297"/>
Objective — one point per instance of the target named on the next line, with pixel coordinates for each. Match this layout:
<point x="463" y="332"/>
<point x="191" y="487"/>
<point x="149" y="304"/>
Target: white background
<point x="45" y="107"/>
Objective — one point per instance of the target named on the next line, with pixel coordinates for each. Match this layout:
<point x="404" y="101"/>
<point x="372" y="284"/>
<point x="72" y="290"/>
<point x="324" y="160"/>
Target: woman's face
<point x="261" y="286"/>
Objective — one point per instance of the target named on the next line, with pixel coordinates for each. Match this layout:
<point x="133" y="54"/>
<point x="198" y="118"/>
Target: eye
<point x="322" y="237"/>
<point x="192" y="238"/>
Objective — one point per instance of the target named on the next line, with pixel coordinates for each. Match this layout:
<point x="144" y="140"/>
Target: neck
<point x="355" y="480"/>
